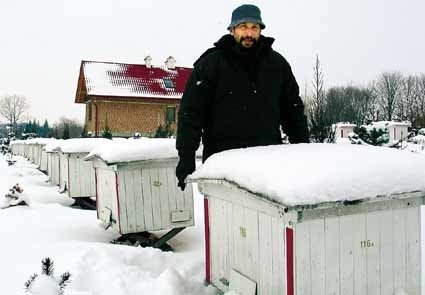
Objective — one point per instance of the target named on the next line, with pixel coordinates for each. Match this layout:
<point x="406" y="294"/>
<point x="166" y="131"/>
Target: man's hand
<point x="185" y="167"/>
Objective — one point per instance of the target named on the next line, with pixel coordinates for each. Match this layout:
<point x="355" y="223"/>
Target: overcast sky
<point x="43" y="42"/>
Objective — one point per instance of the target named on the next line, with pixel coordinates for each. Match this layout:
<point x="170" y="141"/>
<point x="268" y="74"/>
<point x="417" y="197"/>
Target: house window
<point x="168" y="84"/>
<point x="89" y="110"/>
<point x="170" y="115"/>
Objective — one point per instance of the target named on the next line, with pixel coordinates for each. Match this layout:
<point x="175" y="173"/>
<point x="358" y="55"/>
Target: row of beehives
<point x="132" y="180"/>
<point x="269" y="229"/>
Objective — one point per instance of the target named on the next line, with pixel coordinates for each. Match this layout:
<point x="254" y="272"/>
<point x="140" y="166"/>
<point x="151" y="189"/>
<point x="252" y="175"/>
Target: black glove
<point x="185" y="167"/>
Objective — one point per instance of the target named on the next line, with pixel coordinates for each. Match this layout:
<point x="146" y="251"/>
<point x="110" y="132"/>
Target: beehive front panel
<point x="43" y="161"/>
<point x="55" y="168"/>
<point x="368" y="253"/>
<point x="222" y="252"/>
<point x="63" y="171"/>
<point x="107" y="198"/>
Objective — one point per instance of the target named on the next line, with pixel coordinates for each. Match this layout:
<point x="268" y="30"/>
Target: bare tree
<point x="12" y="107"/>
<point x="420" y="87"/>
<point x="388" y="88"/>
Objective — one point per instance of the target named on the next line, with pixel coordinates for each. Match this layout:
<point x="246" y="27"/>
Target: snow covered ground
<point x="77" y="243"/>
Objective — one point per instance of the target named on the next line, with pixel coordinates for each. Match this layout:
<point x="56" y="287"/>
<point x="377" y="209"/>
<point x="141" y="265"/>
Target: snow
<point x="343" y="124"/>
<point x="75" y="240"/>
<point x="316" y="173"/>
<point x="99" y="82"/>
<point x="52" y="146"/>
<point x="45" y="285"/>
<point x="139" y="149"/>
<point x="385" y="124"/>
<point x="80" y="145"/>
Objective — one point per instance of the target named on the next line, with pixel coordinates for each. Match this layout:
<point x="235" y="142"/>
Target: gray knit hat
<point x="244" y="14"/>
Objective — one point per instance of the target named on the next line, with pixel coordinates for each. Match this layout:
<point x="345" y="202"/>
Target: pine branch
<point x="29" y="283"/>
<point x="65" y="278"/>
<point x="47" y="266"/>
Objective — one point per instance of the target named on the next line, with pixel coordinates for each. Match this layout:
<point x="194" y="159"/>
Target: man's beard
<point x="253" y="40"/>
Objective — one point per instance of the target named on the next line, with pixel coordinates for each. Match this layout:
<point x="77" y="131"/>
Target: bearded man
<point x="240" y="94"/>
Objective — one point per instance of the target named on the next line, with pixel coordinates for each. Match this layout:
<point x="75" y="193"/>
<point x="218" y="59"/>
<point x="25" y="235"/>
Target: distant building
<point x="396" y="130"/>
<point x="130" y="98"/>
<point x="343" y="129"/>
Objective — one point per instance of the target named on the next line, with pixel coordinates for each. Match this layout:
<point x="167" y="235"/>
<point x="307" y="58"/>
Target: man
<point x="239" y="95"/>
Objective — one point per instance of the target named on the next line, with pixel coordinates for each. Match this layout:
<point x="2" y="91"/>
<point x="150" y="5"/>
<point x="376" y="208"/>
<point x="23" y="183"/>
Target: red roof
<point x="130" y="80"/>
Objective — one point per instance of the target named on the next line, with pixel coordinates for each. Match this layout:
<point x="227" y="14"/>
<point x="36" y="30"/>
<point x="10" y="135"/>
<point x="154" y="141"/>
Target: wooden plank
<point x="413" y="279"/>
<point x="156" y="202"/>
<point x="188" y="198"/>
<point x="122" y="205"/>
<point x="317" y="254"/>
<point x="278" y="257"/>
<point x="252" y="244"/>
<point x="386" y="248"/>
<point x="372" y="246"/>
<point x="400" y="249"/>
<point x="130" y="204"/>
<point x="107" y="195"/>
<point x="138" y="199"/>
<point x="332" y="255"/>
<point x="239" y="237"/>
<point x="303" y="259"/>
<point x="92" y="188"/>
<point x="172" y="185"/>
<point x="359" y="254"/>
<point x="229" y="238"/>
<point x="164" y="191"/>
<point x="265" y="262"/>
<point x="147" y="199"/>
<point x="219" y="251"/>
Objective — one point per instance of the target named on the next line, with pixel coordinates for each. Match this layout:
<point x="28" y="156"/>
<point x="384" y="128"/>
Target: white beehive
<point x="76" y="176"/>
<point x="295" y="220"/>
<point x="136" y="187"/>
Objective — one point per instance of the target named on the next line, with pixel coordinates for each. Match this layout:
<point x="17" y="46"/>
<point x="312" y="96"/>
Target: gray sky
<point x="43" y="42"/>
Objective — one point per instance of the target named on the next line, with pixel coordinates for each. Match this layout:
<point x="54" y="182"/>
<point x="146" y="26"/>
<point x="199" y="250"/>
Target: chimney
<point x="170" y="63"/>
<point x="148" y="61"/>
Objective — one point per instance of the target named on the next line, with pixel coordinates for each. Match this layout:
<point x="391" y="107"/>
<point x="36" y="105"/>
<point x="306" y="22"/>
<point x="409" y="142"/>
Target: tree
<point x="320" y="125"/>
<point x="388" y="88"/>
<point x="107" y="132"/>
<point x="12" y="107"/>
<point x="73" y="127"/>
<point x="163" y="131"/>
<point x="66" y="133"/>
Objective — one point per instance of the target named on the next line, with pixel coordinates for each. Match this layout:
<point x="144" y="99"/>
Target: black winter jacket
<point x="238" y="98"/>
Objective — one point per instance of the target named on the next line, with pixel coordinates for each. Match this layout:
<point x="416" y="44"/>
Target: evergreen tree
<point x="107" y="133"/>
<point x="66" y="132"/>
<point x="45" y="129"/>
<point x="373" y="137"/>
<point x="163" y="131"/>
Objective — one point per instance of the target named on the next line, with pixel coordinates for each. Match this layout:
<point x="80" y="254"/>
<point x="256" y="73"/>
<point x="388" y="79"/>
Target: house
<point x="130" y="98"/>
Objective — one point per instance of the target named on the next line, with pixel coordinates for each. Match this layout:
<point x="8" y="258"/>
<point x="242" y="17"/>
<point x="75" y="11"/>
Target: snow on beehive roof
<point x="132" y="150"/>
<point x="80" y="145"/>
<point x="135" y="150"/>
<point x="53" y="145"/>
<point x="304" y="174"/>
